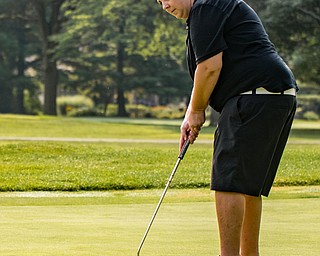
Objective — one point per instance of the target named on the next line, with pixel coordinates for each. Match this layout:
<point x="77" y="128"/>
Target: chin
<point x="180" y="17"/>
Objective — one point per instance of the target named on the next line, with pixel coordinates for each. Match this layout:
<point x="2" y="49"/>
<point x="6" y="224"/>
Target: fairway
<point x="112" y="223"/>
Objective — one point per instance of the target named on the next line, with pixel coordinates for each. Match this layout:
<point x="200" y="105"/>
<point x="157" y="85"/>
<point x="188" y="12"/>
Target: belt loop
<point x="282" y="93"/>
<point x="254" y="91"/>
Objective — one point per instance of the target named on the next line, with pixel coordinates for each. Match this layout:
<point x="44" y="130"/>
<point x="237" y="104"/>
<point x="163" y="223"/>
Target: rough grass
<point x="65" y="166"/>
<point x="300" y="166"/>
<point x="61" y="166"/>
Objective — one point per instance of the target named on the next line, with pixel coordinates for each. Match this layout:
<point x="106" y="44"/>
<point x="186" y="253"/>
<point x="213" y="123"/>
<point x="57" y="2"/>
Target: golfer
<point x="237" y="71"/>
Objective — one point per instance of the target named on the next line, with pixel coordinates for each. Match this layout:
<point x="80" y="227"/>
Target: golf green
<point x="113" y="223"/>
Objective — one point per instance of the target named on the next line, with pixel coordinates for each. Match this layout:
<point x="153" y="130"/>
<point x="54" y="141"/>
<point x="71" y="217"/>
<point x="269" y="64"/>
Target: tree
<point x="117" y="46"/>
<point x="49" y="20"/>
<point x="6" y="68"/>
<point x="88" y="56"/>
<point x="15" y="37"/>
<point x="294" y="26"/>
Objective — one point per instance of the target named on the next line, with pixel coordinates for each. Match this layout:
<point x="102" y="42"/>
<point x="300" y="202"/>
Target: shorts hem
<point x="241" y="192"/>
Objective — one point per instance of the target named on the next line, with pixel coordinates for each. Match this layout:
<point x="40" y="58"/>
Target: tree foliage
<point x="108" y="48"/>
<point x="17" y="43"/>
<point x="118" y="46"/>
<point x="294" y="26"/>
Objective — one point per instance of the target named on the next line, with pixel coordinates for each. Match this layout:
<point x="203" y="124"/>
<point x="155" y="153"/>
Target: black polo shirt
<point x="249" y="58"/>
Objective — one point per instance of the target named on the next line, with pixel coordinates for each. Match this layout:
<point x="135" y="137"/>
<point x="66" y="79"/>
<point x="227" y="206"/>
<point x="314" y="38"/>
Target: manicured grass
<point x="113" y="223"/>
<point x="89" y="166"/>
<point x="37" y="126"/>
<point x="62" y="127"/>
<point x="65" y="166"/>
<point x="300" y="166"/>
<point x="51" y="166"/>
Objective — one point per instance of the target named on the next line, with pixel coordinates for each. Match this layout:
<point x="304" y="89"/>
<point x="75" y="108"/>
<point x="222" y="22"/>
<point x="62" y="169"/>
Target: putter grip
<point x="184" y="149"/>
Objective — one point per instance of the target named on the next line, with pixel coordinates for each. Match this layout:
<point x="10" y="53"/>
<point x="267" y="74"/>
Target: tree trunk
<point x="50" y="93"/>
<point x="120" y="65"/>
<point x="20" y="109"/>
<point x="49" y="26"/>
<point x="6" y="99"/>
<point x="121" y="103"/>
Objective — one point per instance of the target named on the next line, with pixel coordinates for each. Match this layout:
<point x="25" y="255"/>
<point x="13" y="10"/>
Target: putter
<point x="180" y="157"/>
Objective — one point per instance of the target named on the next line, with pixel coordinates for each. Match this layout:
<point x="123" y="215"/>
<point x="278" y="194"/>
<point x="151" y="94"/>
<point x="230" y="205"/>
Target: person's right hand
<point x="191" y="126"/>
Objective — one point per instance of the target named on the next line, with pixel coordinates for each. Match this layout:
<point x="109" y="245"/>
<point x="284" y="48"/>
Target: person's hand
<point x="191" y="126"/>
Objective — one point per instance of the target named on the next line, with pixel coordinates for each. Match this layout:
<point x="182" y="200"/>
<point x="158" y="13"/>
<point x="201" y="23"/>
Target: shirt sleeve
<point x="206" y="32"/>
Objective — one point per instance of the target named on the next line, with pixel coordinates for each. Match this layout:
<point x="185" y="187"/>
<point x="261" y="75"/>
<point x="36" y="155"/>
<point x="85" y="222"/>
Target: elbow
<point x="211" y="65"/>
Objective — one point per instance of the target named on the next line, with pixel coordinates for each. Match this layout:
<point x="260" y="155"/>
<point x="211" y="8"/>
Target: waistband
<point x="261" y="90"/>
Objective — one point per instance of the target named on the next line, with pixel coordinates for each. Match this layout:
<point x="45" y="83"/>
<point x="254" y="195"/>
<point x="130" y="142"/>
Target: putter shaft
<point x="180" y="157"/>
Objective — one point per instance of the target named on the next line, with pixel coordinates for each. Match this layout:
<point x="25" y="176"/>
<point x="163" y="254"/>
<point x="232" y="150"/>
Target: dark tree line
<point x="104" y="49"/>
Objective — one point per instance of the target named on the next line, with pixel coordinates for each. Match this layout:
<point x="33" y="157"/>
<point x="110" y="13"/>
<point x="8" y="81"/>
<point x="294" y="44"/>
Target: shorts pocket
<point x="248" y="107"/>
<point x="234" y="110"/>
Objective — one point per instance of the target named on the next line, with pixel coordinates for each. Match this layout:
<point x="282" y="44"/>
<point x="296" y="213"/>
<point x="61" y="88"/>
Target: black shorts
<point x="249" y="141"/>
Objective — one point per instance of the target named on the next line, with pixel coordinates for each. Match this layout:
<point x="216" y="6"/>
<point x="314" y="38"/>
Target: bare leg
<point x="251" y="226"/>
<point x="230" y="213"/>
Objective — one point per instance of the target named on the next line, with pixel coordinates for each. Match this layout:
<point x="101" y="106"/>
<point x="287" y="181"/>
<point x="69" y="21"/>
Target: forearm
<point x="205" y="80"/>
<point x="204" y="84"/>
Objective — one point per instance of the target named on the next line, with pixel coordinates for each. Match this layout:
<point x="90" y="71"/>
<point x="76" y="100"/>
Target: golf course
<point x="89" y="186"/>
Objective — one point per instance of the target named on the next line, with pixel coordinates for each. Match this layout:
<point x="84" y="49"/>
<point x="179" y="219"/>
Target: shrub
<point x="308" y="104"/>
<point x="138" y="111"/>
<point x="112" y="110"/>
<point x="142" y="111"/>
<point x="167" y="112"/>
<point x="311" y="116"/>
<point x="86" y="113"/>
<point x="72" y="104"/>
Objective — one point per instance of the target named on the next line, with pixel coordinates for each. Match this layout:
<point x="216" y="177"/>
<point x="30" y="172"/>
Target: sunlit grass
<point x="114" y="166"/>
<point x="121" y="128"/>
<point x="113" y="223"/>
